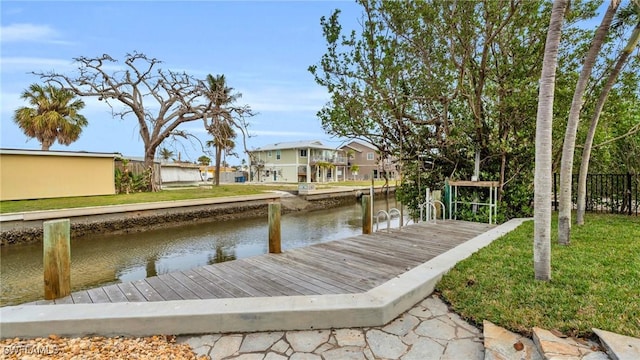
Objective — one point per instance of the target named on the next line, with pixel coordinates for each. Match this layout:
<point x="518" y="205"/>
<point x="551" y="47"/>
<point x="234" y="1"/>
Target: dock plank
<point x="386" y="242"/>
<point x="305" y="270"/>
<point x="65" y="300"/>
<point x="184" y="292"/>
<point x="367" y="261"/>
<point x="239" y="281"/>
<point x="131" y="292"/>
<point x="263" y="281"/>
<point x="339" y="271"/>
<point x="219" y="282"/>
<point x="147" y="290"/>
<point x="81" y="297"/>
<point x="98" y="295"/>
<point x="114" y="293"/>
<point x="296" y="277"/>
<point x="277" y="278"/>
<point x="164" y="290"/>
<point x="379" y="246"/>
<point x="200" y="291"/>
<point x="207" y="282"/>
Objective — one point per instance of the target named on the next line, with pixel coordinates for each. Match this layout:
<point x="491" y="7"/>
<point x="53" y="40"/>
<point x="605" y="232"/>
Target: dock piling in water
<point x="366" y="215"/>
<point x="57" y="259"/>
<point x="274" y="228"/>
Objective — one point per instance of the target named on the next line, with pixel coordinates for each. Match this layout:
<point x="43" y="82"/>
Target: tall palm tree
<point x="569" y="145"/>
<point x="222" y="143"/>
<point x="632" y="11"/>
<point x="544" y="118"/>
<point x="220" y="96"/>
<point x="53" y="115"/>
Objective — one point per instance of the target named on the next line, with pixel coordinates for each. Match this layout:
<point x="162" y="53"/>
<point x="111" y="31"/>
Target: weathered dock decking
<point x="352" y="265"/>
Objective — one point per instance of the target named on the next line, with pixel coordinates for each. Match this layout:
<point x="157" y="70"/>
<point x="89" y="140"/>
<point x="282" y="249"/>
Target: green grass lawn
<point x="595" y="281"/>
<point x="164" y="195"/>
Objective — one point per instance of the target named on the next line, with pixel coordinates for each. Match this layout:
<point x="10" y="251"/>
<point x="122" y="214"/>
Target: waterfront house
<point x="301" y="161"/>
<point x="364" y="162"/>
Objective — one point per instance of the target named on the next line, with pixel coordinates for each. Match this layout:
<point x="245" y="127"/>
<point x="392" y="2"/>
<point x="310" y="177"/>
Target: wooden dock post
<point x="366" y="215"/>
<point x="57" y="259"/>
<point x="274" y="228"/>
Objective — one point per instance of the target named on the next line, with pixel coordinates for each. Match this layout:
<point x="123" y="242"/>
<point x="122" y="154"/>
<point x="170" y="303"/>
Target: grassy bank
<point x="595" y="281"/>
<point x="165" y="195"/>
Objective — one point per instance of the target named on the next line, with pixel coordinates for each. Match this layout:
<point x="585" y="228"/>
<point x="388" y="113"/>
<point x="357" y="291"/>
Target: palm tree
<point x="223" y="144"/>
<point x="220" y="95"/>
<point x="166" y="154"/>
<point x="53" y="115"/>
<point x="204" y="160"/>
<point x="544" y="118"/>
<point x="569" y="145"/>
<point x="632" y="10"/>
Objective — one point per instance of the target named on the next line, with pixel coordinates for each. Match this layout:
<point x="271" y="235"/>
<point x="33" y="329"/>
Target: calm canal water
<point x="100" y="260"/>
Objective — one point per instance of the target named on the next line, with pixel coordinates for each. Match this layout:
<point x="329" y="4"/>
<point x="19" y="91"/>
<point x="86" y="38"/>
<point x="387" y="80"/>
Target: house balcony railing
<point x="336" y="160"/>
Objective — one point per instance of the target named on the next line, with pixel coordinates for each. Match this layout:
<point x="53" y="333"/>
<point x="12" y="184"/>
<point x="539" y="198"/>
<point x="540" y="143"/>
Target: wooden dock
<point x="352" y="265"/>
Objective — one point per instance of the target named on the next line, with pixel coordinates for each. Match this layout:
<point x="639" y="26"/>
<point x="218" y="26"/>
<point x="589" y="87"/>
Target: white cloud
<point x="30" y="33"/>
<point x="285" y="99"/>
<point x="26" y="64"/>
<point x="7" y="98"/>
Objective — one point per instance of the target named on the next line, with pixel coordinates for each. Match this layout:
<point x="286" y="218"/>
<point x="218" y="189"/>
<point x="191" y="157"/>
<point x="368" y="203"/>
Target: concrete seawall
<point x="24" y="228"/>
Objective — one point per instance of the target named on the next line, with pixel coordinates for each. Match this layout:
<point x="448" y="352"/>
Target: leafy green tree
<point x="204" y="160"/>
<point x="53" y="115"/>
<point x="452" y="82"/>
<point x="465" y="105"/>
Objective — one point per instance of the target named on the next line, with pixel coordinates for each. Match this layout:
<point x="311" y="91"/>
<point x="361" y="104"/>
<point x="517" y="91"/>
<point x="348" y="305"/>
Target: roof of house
<point x="362" y="144"/>
<point x="313" y="144"/>
<point x="58" y="153"/>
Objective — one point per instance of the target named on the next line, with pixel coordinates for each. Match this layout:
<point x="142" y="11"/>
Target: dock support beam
<point x="57" y="259"/>
<point x="274" y="228"/>
<point x="366" y="215"/>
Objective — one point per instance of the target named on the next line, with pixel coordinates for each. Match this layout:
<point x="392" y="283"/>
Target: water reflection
<point x="104" y="259"/>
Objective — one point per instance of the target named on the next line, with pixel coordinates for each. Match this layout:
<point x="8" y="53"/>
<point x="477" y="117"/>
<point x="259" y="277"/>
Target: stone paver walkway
<point x="428" y="331"/>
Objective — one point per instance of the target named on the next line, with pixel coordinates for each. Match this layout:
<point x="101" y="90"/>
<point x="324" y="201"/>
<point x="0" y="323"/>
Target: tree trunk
<point x="218" y="155"/>
<point x="569" y="145"/>
<point x="46" y="144"/>
<point x="586" y="152"/>
<point x="149" y="155"/>
<point x="542" y="181"/>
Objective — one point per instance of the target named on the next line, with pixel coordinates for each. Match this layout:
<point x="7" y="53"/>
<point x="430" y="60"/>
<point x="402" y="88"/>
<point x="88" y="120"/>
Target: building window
<point x="303" y="152"/>
<point x="278" y="154"/>
<point x="269" y="153"/>
<point x="369" y="156"/>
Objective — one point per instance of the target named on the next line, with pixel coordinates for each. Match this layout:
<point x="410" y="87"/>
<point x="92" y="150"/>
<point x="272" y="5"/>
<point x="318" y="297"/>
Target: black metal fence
<point x="607" y="193"/>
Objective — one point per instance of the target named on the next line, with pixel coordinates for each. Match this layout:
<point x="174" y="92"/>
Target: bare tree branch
<point x="160" y="100"/>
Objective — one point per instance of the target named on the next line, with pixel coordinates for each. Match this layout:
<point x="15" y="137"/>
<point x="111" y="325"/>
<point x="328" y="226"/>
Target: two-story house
<point x="364" y="162"/>
<point x="301" y="161"/>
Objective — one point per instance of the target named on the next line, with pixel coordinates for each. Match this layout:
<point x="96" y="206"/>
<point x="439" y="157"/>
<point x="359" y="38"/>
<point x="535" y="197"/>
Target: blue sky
<point x="263" y="48"/>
